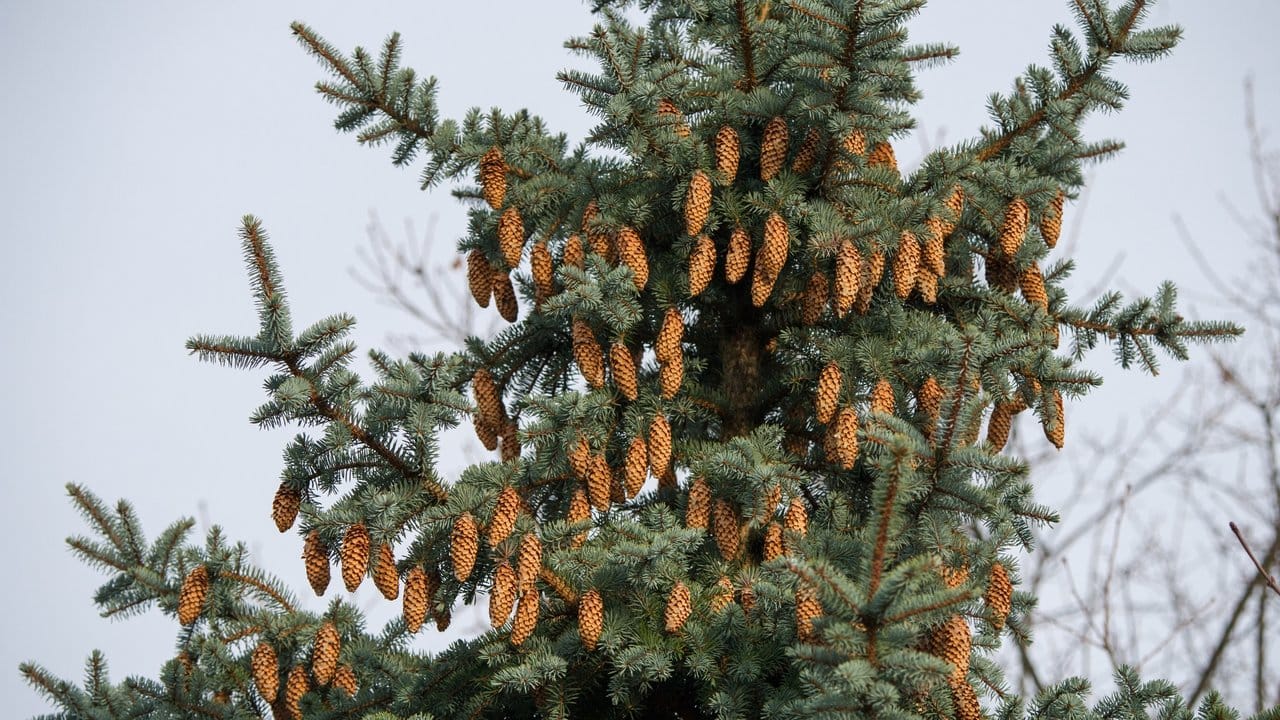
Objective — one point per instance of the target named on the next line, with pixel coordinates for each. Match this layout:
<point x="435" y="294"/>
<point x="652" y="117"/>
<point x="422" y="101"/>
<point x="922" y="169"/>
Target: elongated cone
<point x="635" y="467"/>
<point x="698" y="509"/>
<point x="505" y="511"/>
<point x="385" y="576"/>
<point x="882" y="156"/>
<point x="631" y="253"/>
<point x="747" y="596"/>
<point x="773" y="548"/>
<point x="1014" y="227"/>
<point x="588" y="354"/>
<point x="443" y="618"/>
<point x="526" y="617"/>
<point x="488" y="399"/>
<point x="623" y="364"/>
<point x="869" y="280"/>
<point x="855" y="143"/>
<point x="504" y="296"/>
<point x="1032" y="283"/>
<point x="697" y="203"/>
<point x="769" y="502"/>
<point x="502" y="598"/>
<point x="543" y="268"/>
<point x="814" y="302"/>
<point x="670" y="335"/>
<point x="493" y="177"/>
<point x="266" y="671"/>
<point x="954" y="577"/>
<point x="927" y="285"/>
<point x="324" y="653"/>
<point x="999" y="596"/>
<point x="671" y="377"/>
<point x="777" y="238"/>
<point x="955" y="205"/>
<point x="808" y="609"/>
<point x="1051" y="220"/>
<point x="723" y="595"/>
<point x="316" y="557"/>
<point x="796" y="518"/>
<point x="354" y="556"/>
<point x="416" y="598"/>
<point x="529" y="561"/>
<point x="580" y="458"/>
<point x="728" y="152"/>
<point x="284" y="508"/>
<point x="828" y="392"/>
<point x="191" y="596"/>
<point x="464" y="542"/>
<point x="590" y="618"/>
<point x="679" y="606"/>
<point x="952" y="642"/>
<point x="882" y="397"/>
<point x="842" y="437"/>
<point x="738" y="257"/>
<point x="599" y="480"/>
<point x="762" y="282"/>
<point x="702" y="265"/>
<point x="999" y="426"/>
<point x="965" y="700"/>
<point x="510" y="437"/>
<point x="725" y="529"/>
<point x="930" y="399"/>
<point x="487" y="434"/>
<point x="773" y="148"/>
<point x="1057" y="431"/>
<point x="934" y="256"/>
<point x="848" y="277"/>
<point x="574" y="253"/>
<point x="808" y="152"/>
<point x="295" y="686"/>
<point x="906" y="264"/>
<point x="479" y="277"/>
<point x="344" y="678"/>
<point x="668" y="109"/>
<point x="579" y="511"/>
<point x="659" y="444"/>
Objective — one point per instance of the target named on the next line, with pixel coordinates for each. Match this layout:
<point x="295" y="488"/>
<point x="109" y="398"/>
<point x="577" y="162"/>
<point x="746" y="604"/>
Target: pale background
<point x="134" y="136"/>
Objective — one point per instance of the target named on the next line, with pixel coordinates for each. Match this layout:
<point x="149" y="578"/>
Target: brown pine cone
<point x="623" y="364"/>
<point x="191" y="596"/>
<point x="1001" y="274"/>
<point x="999" y="426"/>
<point x="528" y="561"/>
<point x="511" y="236"/>
<point x="1014" y="227"/>
<point x="385" y="576"/>
<point x="965" y="700"/>
<point x="777" y="238"/>
<point x="266" y="671"/>
<point x="842" y="438"/>
<point x="668" y="110"/>
<point x="659" y="445"/>
<point x="295" y="686"/>
<point x="723" y="595"/>
<point x="324" y="653"/>
<point x="479" y="277"/>
<point x="526" y="617"/>
<point x="808" y="152"/>
<point x="848" y="277"/>
<point x="631" y="253"/>
<point x="671" y="377"/>
<point x="284" y="508"/>
<point x="488" y="399"/>
<point x="574" y="253"/>
<point x="587" y="353"/>
<point x="927" y="285"/>
<point x="493" y="177"/>
<point x="1051" y="220"/>
<point x="464" y="542"/>
<point x="702" y="265"/>
<point x="747" y="597"/>
<point x="416" y="598"/>
<point x="510" y="437"/>
<point x="486" y="433"/>
<point x="935" y="250"/>
<point x="505" y="511"/>
<point x="954" y="577"/>
<point x="589" y="213"/>
<point x="579" y="511"/>
<point x="725" y="529"/>
<point x="316" y="557"/>
<point x="955" y="207"/>
<point x="882" y="397"/>
<point x="543" y="270"/>
<point x="504" y="296"/>
<point x="667" y="346"/>
<point x="808" y="609"/>
<point x="354" y="556"/>
<point x="773" y="548"/>
<point x="697" y="203"/>
<point x="773" y="148"/>
<point x="580" y="458"/>
<point x="635" y="467"/>
<point x="728" y="150"/>
<point x="679" y="607"/>
<point x="738" y="257"/>
<point x="796" y="518"/>
<point x="344" y="678"/>
<point x="882" y="156"/>
<point x="762" y="282"/>
<point x="1032" y="283"/>
<point x="999" y="596"/>
<point x="443" y="618"/>
<point x="1056" y="431"/>
<point x="952" y="642"/>
<point x="929" y="399"/>
<point x="590" y="619"/>
<point x="502" y="598"/>
<point x="906" y="264"/>
<point x="698" y="508"/>
<point x="872" y="272"/>
<point x="600" y="244"/>
<point x="814" y="302"/>
<point x="827" y="394"/>
<point x="855" y="143"/>
<point x="769" y="502"/>
<point x="599" y="478"/>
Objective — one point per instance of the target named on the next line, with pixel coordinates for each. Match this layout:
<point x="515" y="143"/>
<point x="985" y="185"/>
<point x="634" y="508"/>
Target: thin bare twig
<point x="1266" y="576"/>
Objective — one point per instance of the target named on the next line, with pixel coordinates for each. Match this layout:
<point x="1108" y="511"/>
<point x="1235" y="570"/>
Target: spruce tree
<point x="740" y="467"/>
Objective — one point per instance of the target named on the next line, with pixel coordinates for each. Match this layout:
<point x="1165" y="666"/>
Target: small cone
<point x="599" y="480"/>
<point x="725" y="529"/>
<point x="354" y="556"/>
<point x="385" y="576"/>
<point x="479" y="277"/>
<point x="738" y="257"/>
<point x="728" y="151"/>
<point x="502" y="598"/>
<point x="842" y="438"/>
<point x="623" y="365"/>
<point x="266" y="671"/>
<point x="505" y="511"/>
<point x="416" y="598"/>
<point x="773" y="548"/>
<point x="855" y="143"/>
<point x="828" y="392"/>
<point x="635" y="467"/>
<point x="999" y="596"/>
<point x="295" y="686"/>
<point x="954" y="577"/>
<point x="671" y="377"/>
<point x="697" y="203"/>
<point x="504" y="296"/>
<point x="587" y="353"/>
<point x="808" y="152"/>
<point x="284" y="508"/>
<point x="667" y="346"/>
<point x="702" y="265"/>
<point x="1056" y="433"/>
<point x="906" y="264"/>
<point x="930" y="399"/>
<point x="1014" y="227"/>
<point x="769" y="502"/>
<point x="1051" y="220"/>
<point x="723" y="595"/>
<point x="882" y="156"/>
<point x="579" y="511"/>
<point x="814" y="302"/>
<point x="526" y="617"/>
<point x="511" y="236"/>
<point x="999" y="426"/>
<point x="589" y="213"/>
<point x="698" y="509"/>
<point x="528" y="561"/>
<point x="590" y="619"/>
<point x="316" y="557"/>
<point x="848" y="277"/>
<point x="1001" y="274"/>
<point x="344" y="678"/>
<point x="493" y="177"/>
<point x="668" y="109"/>
<point x="747" y="597"/>
<point x="679" y="606"/>
<point x="574" y="253"/>
<point x="324" y="653"/>
<point x="1032" y="283"/>
<point x="808" y="609"/>
<point x="543" y="270"/>
<point x="443" y="618"/>
<point x="631" y="253"/>
<point x="882" y="397"/>
<point x="659" y="444"/>
<point x="935" y="250"/>
<point x="191" y="596"/>
<point x="464" y="542"/>
<point x="773" y="148"/>
<point x="927" y="286"/>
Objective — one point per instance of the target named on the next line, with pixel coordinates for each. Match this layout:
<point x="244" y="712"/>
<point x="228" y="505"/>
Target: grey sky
<point x="136" y="135"/>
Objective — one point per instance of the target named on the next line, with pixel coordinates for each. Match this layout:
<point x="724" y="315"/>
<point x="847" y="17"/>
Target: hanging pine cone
<point x="723" y="595"/>
<point x="999" y="596"/>
<point x="528" y="561"/>
<point x="954" y="577"/>
<point x="635" y="467"/>
<point x="1002" y="274"/>
<point x="505" y="511"/>
<point x="1051" y="220"/>
<point x="773" y="548"/>
<point x="580" y="458"/>
<point x="486" y="433"/>
<point x="964" y="700"/>
<point x="855" y="143"/>
<point x="284" y="508"/>
<point x="493" y="177"/>
<point x="906" y="264"/>
<point x="579" y="511"/>
<point x="526" y="617"/>
<point x="773" y="148"/>
<point x="999" y="426"/>
<point x="502" y="598"/>
<point x="725" y="529"/>
<point x="464" y="542"/>
<point x="697" y="203"/>
<point x="882" y="397"/>
<point x="624" y="371"/>
<point x="504" y="296"/>
<point x="955" y="206"/>
<point x="882" y="156"/>
<point x="814" y="302"/>
<point x="599" y="478"/>
<point x="416" y="598"/>
<point x="671" y="377"/>
<point x="738" y="256"/>
<point x="1033" y="291"/>
<point x="808" y="609"/>
<point x="828" y="392"/>
<point x="762" y="282"/>
<point x="872" y="272"/>
<point x="698" y="508"/>
<point x="443" y="617"/>
<point x="670" y="335"/>
<point x="669" y="111"/>
<point x="728" y="151"/>
<point x="191" y="596"/>
<point x="631" y="253"/>
<point x="587" y="353"/>
<point x="511" y="236"/>
<point x="842" y="438"/>
<point x="848" y="277"/>
<point x="354" y="556"/>
<point x="295" y="686"/>
<point x="510" y="437"/>
<point x="574" y="253"/>
<point x="679" y="607"/>
<point x="1056" y="431"/>
<point x="796" y="518"/>
<point x="266" y="671"/>
<point x="385" y="576"/>
<point x="590" y="618"/>
<point x="747" y="597"/>
<point x="808" y="152"/>
<point x="543" y="268"/>
<point x="1014" y="227"/>
<point x="488" y="399"/>
<point x="702" y="265"/>
<point x="935" y="250"/>
<point x="930" y="399"/>
<point x="316" y="557"/>
<point x="659" y="444"/>
<point x="344" y="678"/>
<point x="952" y="642"/>
<point x="927" y="285"/>
<point x="777" y="238"/>
<point x="324" y="653"/>
<point x="479" y="277"/>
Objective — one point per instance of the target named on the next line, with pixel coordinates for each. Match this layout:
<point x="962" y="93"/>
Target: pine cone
<point x="529" y="561"/>
<point x="738" y="257"/>
<point x="927" y="285"/>
<point x="510" y="437"/>
<point x="543" y="268"/>
<point x="385" y="576"/>
<point x="814" y="302"/>
<point x="1056" y="431"/>
<point x="906" y="264"/>
<point x="587" y="353"/>
<point x="725" y="529"/>
<point x="316" y="557"/>
<point x="667" y="346"/>
<point x="808" y="152"/>
<point x="266" y="671"/>
<point x="635" y="467"/>
<point x="284" y="508"/>
<point x="669" y="110"/>
<point x="324" y="653"/>
<point x="855" y="143"/>
<point x="702" y="265"/>
<point x="796" y="518"/>
<point x="354" y="556"/>
<point x="295" y="686"/>
<point x="624" y="371"/>
<point x="842" y="438"/>
<point x="416" y="598"/>
<point x="954" y="577"/>
<point x="697" y="203"/>
<point x="773" y="148"/>
<point x="762" y="282"/>
<point x="493" y="177"/>
<point x="935" y="249"/>
<point x="848" y="277"/>
<point x="698" y="508"/>
<point x="590" y="619"/>
<point x="344" y="678"/>
<point x="955" y="207"/>
<point x="1032" y="283"/>
<point x="999" y="596"/>
<point x="511" y="236"/>
<point x="999" y="426"/>
<point x="464" y="542"/>
<point x="526" y="617"/>
<point x="191" y="596"/>
<point x="873" y="271"/>
<point x="747" y="597"/>
<point x="574" y="253"/>
<point x="1001" y="274"/>
<point x="952" y="642"/>
<point x="443" y="618"/>
<point x="659" y="444"/>
<point x="631" y="253"/>
<point x="502" y="598"/>
<point x="723" y="595"/>
<point x="882" y="156"/>
<point x="479" y="277"/>
<point x="679" y="607"/>
<point x="579" y="511"/>
<point x="777" y="238"/>
<point x="599" y="478"/>
<point x="728" y="150"/>
<point x="930" y="399"/>
<point x="1014" y="227"/>
<point x="505" y="511"/>
<point x="882" y="397"/>
<point x="580" y="458"/>
<point x="504" y="296"/>
<point x="773" y="548"/>
<point x="1051" y="220"/>
<point x="808" y="609"/>
<point x="671" y="377"/>
<point x="828" y="392"/>
<point x="488" y="399"/>
<point x="964" y="700"/>
<point x="486" y="433"/>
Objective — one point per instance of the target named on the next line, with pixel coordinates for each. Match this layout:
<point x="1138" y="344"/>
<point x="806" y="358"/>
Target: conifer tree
<point x="737" y="418"/>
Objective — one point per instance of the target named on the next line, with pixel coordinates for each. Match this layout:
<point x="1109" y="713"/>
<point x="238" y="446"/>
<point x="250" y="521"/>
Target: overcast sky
<point x="136" y="136"/>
